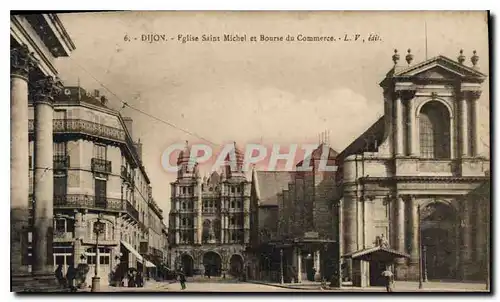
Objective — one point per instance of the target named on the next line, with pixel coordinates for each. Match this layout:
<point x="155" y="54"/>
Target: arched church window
<point x="183" y="205"/>
<point x="434" y="131"/>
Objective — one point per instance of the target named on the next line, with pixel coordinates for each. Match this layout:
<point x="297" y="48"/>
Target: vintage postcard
<point x="162" y="151"/>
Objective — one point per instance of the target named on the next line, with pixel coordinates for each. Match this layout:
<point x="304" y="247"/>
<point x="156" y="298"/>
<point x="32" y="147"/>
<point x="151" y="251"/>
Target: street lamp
<point x="98" y="229"/>
<point x="281" y="266"/>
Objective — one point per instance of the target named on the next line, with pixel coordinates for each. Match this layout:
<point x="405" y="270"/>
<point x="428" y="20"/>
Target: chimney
<point x="128" y="124"/>
<point x="138" y="147"/>
<point x="96" y="93"/>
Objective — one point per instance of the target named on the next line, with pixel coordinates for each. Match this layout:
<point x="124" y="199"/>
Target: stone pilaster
<point x="414" y="233"/>
<point x="349" y="223"/>
<point x="399" y="129"/>
<point x="476" y="124"/>
<point x="412" y="129"/>
<point x="44" y="181"/>
<point x="465" y="251"/>
<point x="177" y="227"/>
<point x="464" y="124"/>
<point x="22" y="62"/>
<point x="400" y="236"/>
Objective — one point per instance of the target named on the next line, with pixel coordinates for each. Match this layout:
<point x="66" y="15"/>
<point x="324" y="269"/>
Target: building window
<point x="60" y="187"/>
<point x="232" y="189"/>
<point x="232" y="204"/>
<point x="100" y="151"/>
<point x="434" y="131"/>
<point x="59" y="148"/>
<point x="104" y="255"/>
<point x="100" y="193"/>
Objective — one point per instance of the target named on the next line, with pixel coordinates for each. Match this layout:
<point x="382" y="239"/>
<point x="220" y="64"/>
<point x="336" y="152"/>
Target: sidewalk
<point x="149" y="286"/>
<point x="400" y="286"/>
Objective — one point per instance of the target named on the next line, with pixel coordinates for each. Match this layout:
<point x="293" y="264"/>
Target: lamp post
<point x="98" y="229"/>
<point x="281" y="266"/>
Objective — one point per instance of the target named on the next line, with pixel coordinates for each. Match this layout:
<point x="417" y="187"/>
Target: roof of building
<point x="268" y="184"/>
<point x="316" y="154"/>
<point x="366" y="142"/>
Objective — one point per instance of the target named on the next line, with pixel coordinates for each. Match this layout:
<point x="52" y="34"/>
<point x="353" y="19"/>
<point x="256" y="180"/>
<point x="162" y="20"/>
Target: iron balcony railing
<point x="83" y="126"/>
<point x="76" y="201"/>
<point x="61" y="162"/>
<point x="100" y="165"/>
<point x="126" y="175"/>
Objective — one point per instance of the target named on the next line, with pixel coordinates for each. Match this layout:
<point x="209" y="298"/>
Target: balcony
<point x="132" y="211"/>
<point x="87" y="202"/>
<point x="85" y="127"/>
<point x="101" y="165"/>
<point x="126" y="176"/>
<point x="61" y="162"/>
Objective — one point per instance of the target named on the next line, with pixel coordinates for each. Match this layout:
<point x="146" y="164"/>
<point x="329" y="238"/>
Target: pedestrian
<point x="70" y="277"/>
<point x="182" y="280"/>
<point x="139" y="279"/>
<point x="388" y="279"/>
<point x="59" y="275"/>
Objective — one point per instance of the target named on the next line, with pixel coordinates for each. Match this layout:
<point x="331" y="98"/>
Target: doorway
<point x="376" y="269"/>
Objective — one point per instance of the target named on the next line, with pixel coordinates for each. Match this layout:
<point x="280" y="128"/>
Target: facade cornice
<point x="451" y="179"/>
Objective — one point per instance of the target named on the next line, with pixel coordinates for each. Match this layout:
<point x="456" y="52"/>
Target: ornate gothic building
<point x="209" y="219"/>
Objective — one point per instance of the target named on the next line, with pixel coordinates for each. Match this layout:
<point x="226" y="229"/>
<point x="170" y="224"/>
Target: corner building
<point x="209" y="225"/>
<point x="97" y="173"/>
<point x="423" y="156"/>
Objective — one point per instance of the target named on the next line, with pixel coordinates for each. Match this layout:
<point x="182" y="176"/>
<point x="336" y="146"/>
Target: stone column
<point x="400" y="236"/>
<point x="22" y="61"/>
<point x="414" y="233"/>
<point x="476" y="124"/>
<point x="349" y="224"/>
<point x="227" y="228"/>
<point x="464" y="130"/>
<point x="399" y="125"/>
<point x="412" y="129"/>
<point x="317" y="265"/>
<point x="299" y="265"/>
<point x="44" y="180"/>
<point x="465" y="252"/>
<point x="195" y="225"/>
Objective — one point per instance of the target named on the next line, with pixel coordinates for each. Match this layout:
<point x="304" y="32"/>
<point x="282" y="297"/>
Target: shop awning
<point x="378" y="253"/>
<point x="148" y="263"/>
<point x="132" y="250"/>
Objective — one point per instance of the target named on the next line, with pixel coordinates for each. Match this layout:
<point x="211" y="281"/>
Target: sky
<point x="252" y="92"/>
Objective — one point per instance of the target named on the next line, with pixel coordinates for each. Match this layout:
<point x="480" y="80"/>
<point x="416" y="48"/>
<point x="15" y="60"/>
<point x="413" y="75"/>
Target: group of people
<point x="67" y="281"/>
<point x="134" y="279"/>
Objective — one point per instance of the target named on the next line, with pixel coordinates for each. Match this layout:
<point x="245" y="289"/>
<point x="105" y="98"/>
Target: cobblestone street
<point x="230" y="285"/>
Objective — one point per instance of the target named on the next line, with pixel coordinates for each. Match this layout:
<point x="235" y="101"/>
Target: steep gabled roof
<point x="316" y="155"/>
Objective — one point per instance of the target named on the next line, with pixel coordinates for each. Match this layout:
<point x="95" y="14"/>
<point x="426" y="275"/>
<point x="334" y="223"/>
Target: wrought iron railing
<point x="132" y="211"/>
<point x="61" y="162"/>
<point x="88" y="201"/>
<point x="83" y="126"/>
<point x="126" y="175"/>
<point x="101" y="165"/>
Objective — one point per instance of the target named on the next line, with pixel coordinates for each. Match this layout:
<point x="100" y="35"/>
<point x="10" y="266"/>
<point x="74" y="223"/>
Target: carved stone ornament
<point x="46" y="89"/>
<point x="22" y="61"/>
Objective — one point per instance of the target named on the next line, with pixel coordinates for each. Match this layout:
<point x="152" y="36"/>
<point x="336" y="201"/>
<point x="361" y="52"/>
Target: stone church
<point x="406" y="180"/>
<point x="209" y="218"/>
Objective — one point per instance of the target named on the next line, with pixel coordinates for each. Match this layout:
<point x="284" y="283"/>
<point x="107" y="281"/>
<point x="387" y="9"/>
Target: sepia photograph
<point x="250" y="151"/>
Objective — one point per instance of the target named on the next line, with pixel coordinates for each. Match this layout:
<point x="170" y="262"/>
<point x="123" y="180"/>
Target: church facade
<point x="408" y="177"/>
<point x="209" y="222"/>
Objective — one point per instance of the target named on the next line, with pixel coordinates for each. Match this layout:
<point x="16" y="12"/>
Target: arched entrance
<point x="187" y="265"/>
<point x="235" y="265"/>
<point x="212" y="263"/>
<point x="440" y="241"/>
